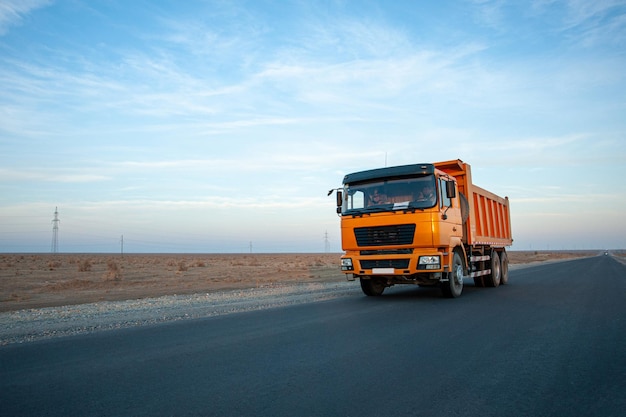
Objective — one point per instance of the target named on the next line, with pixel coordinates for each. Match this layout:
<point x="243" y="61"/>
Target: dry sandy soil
<point x="46" y="280"/>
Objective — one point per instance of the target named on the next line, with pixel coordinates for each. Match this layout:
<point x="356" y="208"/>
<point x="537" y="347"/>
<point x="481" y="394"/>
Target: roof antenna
<point x="385" y="159"/>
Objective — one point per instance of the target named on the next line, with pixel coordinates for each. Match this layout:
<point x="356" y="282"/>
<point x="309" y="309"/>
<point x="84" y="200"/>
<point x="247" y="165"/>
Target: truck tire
<point x="504" y="271"/>
<point x="372" y="287"/>
<point x="453" y="287"/>
<point x="493" y="279"/>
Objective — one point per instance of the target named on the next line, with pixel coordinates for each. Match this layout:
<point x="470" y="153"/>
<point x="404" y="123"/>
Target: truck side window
<point x="357" y="200"/>
<point x="445" y="199"/>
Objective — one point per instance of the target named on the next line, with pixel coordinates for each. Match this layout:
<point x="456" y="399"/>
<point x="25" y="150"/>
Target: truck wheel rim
<point x="458" y="276"/>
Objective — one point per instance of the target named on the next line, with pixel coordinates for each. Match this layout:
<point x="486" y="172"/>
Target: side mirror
<point x="339" y="200"/>
<point x="450" y="189"/>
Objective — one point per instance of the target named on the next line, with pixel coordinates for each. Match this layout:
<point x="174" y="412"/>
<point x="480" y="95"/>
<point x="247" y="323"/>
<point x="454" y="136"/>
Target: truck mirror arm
<point x="444" y="216"/>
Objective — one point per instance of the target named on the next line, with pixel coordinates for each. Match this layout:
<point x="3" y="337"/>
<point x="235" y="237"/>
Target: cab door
<point x="450" y="221"/>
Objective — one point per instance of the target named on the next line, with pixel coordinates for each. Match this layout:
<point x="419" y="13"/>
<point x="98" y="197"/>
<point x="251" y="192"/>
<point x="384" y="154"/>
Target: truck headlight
<point x="346" y="264"/>
<point x="429" y="262"/>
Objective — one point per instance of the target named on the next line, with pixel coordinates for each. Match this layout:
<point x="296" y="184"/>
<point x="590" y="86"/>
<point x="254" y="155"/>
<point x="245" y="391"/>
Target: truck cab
<point x="398" y="224"/>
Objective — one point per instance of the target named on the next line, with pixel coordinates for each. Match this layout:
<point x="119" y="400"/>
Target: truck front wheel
<point x="453" y="287"/>
<point x="372" y="286"/>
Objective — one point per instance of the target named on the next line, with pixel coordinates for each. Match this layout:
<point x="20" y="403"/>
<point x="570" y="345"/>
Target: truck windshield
<point x="389" y="195"/>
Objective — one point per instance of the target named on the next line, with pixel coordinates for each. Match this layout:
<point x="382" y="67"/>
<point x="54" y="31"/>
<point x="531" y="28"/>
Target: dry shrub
<point x="84" y="266"/>
<point x="114" y="273"/>
<point x="182" y="266"/>
<point x="200" y="264"/>
<point x="54" y="264"/>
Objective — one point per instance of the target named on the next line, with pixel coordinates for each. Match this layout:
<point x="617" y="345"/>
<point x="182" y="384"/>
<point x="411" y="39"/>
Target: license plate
<point x="383" y="271"/>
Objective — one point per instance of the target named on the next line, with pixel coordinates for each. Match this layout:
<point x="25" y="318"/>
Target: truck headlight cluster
<point x="346" y="264"/>
<point x="429" y="262"/>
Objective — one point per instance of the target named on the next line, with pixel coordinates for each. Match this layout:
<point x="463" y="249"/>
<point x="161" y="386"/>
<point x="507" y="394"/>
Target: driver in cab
<point x="427" y="194"/>
<point x="377" y="198"/>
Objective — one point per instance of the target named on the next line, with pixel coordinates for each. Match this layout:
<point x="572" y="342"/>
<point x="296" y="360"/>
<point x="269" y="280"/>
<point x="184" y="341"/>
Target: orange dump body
<point x="489" y="221"/>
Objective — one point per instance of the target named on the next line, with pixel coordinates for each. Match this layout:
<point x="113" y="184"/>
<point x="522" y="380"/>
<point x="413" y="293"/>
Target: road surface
<point x="550" y="343"/>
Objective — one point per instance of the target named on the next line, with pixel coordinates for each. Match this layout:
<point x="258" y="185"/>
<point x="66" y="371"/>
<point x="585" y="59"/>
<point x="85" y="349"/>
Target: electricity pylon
<point x="55" y="231"/>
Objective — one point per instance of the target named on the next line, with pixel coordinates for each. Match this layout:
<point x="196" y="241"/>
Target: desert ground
<point x="46" y="280"/>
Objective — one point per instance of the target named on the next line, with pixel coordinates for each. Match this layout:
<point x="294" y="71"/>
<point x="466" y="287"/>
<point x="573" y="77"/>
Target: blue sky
<point x="218" y="126"/>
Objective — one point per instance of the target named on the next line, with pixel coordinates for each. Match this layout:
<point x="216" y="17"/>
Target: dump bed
<point x="488" y="221"/>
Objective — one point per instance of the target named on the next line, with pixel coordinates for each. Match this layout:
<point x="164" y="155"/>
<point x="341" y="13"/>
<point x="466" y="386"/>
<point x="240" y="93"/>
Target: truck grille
<point x="385" y="263"/>
<point x="370" y="252"/>
<point x="401" y="234"/>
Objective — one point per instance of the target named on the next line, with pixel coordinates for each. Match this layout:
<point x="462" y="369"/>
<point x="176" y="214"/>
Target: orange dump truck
<point x="422" y="224"/>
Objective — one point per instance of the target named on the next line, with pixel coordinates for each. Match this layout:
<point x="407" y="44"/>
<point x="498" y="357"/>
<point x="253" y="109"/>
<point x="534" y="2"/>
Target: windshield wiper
<point x="375" y="209"/>
<point x="408" y="208"/>
<point x="368" y="210"/>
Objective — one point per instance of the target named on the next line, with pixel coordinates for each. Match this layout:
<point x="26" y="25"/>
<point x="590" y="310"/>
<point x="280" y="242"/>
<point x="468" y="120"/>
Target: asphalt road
<point x="550" y="343"/>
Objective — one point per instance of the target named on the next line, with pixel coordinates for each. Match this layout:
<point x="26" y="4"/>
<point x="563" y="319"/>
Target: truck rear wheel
<point x="372" y="287"/>
<point x="493" y="279"/>
<point x="453" y="287"/>
<point x="504" y="273"/>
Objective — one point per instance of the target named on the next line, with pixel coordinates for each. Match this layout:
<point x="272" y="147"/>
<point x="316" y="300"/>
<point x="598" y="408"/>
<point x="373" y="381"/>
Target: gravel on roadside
<point x="43" y="323"/>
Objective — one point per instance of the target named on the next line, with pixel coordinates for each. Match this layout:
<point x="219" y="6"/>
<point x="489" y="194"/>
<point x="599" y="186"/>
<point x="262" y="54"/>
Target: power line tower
<point x="326" y="242"/>
<point x="55" y="231"/>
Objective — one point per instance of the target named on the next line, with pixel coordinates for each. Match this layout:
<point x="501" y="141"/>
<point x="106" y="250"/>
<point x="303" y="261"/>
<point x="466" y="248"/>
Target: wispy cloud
<point x="51" y="175"/>
<point x="594" y="13"/>
<point x="581" y="22"/>
<point x="12" y="12"/>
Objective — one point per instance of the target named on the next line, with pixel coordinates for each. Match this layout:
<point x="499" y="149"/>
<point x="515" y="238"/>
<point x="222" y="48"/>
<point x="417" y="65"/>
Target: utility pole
<point x="250" y="246"/>
<point x="122" y="242"/>
<point x="55" y="231"/>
